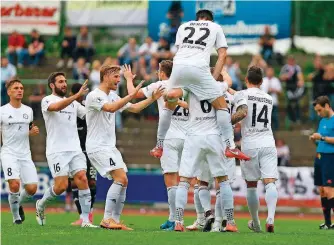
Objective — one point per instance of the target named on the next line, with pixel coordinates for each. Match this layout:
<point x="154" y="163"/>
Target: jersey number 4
<point x="262" y="117"/>
<point x="199" y="41"/>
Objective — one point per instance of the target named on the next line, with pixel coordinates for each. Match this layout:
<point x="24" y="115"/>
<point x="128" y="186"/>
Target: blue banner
<point x="242" y="21"/>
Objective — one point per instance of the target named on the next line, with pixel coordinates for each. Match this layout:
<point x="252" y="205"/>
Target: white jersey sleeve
<point x="95" y="101"/>
<point x="148" y="90"/>
<point x="220" y="39"/>
<point x="81" y="110"/>
<point x="239" y="99"/>
<point x="46" y="102"/>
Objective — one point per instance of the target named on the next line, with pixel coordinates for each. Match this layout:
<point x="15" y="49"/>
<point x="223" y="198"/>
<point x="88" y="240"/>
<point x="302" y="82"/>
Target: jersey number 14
<point x="262" y="117"/>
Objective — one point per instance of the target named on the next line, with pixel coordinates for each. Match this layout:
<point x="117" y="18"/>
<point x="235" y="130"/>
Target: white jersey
<point x="202" y="115"/>
<point x="195" y="41"/>
<point x="61" y="126"/>
<point x="177" y="129"/>
<point x="15" y="130"/>
<point x="256" y="127"/>
<point x="101" y="135"/>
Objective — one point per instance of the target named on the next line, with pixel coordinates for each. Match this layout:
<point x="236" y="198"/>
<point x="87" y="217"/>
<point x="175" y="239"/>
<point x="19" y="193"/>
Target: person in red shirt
<point x="16" y="44"/>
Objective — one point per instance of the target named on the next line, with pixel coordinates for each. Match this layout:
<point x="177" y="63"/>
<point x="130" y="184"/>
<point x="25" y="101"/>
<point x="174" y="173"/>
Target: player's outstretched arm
<point x="127" y="73"/>
<point x="138" y="107"/>
<point x="57" y="106"/>
<point x="240" y="114"/>
<point x="227" y="78"/>
<point x="115" y="106"/>
<point x="220" y="62"/>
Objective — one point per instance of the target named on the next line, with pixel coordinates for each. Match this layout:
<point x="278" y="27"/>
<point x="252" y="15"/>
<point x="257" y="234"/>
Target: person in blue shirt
<point x="324" y="161"/>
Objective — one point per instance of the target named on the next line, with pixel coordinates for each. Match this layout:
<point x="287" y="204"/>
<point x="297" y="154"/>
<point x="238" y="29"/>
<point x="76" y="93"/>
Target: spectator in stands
<point x="283" y="153"/>
<point x="175" y="15"/>
<point x="110" y="61"/>
<point x="234" y="71"/>
<point x="292" y="75"/>
<point x="145" y="52"/>
<point x="84" y="45"/>
<point x="16" y="44"/>
<point x="80" y="70"/>
<point x="163" y="51"/>
<point x="35" y="99"/>
<point x="8" y="72"/>
<point x="272" y="85"/>
<point x="329" y="79"/>
<point x="266" y="42"/>
<point x="67" y="49"/>
<point x="258" y="61"/>
<point x="150" y="73"/>
<point x="94" y="76"/>
<point x="36" y="48"/>
<point x="129" y="54"/>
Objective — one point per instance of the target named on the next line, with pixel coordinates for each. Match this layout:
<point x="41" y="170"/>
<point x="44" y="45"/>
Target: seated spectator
<point x="94" y="76"/>
<point x="163" y="51"/>
<point x="36" y="48"/>
<point x="292" y="75"/>
<point x="266" y="42"/>
<point x="16" y="43"/>
<point x="145" y="52"/>
<point x="258" y="61"/>
<point x="67" y="49"/>
<point x="150" y="73"/>
<point x="272" y="85"/>
<point x="8" y="72"/>
<point x="35" y="99"/>
<point x="80" y="70"/>
<point x="129" y="53"/>
<point x="84" y="45"/>
<point x="235" y="73"/>
<point x="283" y="153"/>
<point x="329" y="78"/>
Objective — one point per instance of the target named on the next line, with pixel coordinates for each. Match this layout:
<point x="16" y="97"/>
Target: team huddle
<point x="194" y="139"/>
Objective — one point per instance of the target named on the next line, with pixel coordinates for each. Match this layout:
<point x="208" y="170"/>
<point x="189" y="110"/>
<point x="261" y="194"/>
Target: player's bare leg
<point x="171" y="184"/>
<point x="227" y="203"/>
<point x="13" y="199"/>
<point x="115" y="201"/>
<point x="181" y="201"/>
<point x="271" y="197"/>
<point x="253" y="206"/>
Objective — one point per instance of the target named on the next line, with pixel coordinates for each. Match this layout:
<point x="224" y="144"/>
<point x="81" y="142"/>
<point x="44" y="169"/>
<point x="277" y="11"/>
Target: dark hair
<point x="11" y="82"/>
<point x="108" y="69"/>
<point x="254" y="75"/>
<point x="166" y="66"/>
<point x="322" y="101"/>
<point x="52" y="77"/>
<point x="204" y="14"/>
<point x="76" y="87"/>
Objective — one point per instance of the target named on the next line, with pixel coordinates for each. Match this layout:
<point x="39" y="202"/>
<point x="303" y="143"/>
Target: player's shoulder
<point x="26" y="108"/>
<point x="49" y="98"/>
<point x="113" y="95"/>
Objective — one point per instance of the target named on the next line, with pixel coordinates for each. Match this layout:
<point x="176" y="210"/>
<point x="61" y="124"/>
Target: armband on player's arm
<point x="240" y="114"/>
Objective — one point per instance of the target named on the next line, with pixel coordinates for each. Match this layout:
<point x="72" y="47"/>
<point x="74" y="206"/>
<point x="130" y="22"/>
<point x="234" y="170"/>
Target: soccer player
<point x="258" y="142"/>
<point x="18" y="167"/>
<point x="91" y="171"/>
<point x="324" y="162"/>
<point x="203" y="143"/>
<point x="191" y="72"/>
<point x="173" y="144"/>
<point x="101" y="104"/>
<point x="63" y="152"/>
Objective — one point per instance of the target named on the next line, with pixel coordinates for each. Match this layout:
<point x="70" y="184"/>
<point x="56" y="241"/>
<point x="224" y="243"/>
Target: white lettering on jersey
<point x="195" y="41"/>
<point x="256" y="127"/>
<point x="61" y="126"/>
<point x="15" y="130"/>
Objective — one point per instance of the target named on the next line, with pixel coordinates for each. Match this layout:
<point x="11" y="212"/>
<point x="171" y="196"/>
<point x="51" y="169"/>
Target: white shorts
<point x="66" y="163"/>
<point x="263" y="164"/>
<point x="208" y="148"/>
<point x="107" y="161"/>
<point x="197" y="80"/>
<point x="17" y="168"/>
<point x="171" y="157"/>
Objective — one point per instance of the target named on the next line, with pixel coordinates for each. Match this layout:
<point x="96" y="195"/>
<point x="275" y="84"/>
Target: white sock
<point x="49" y="195"/>
<point x="198" y="206"/>
<point x="165" y="118"/>
<point x="24" y="196"/>
<point x="227" y="199"/>
<point x="271" y="197"/>
<point x="116" y="213"/>
<point x="253" y="205"/>
<point x="85" y="202"/>
<point x="218" y="207"/>
<point x="225" y="126"/>
<point x="181" y="199"/>
<point x="171" y="192"/>
<point x="111" y="199"/>
<point x="205" y="198"/>
<point x="13" y="199"/>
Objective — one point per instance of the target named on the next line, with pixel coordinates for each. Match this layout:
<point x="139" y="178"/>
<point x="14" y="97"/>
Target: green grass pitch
<point x="58" y="231"/>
